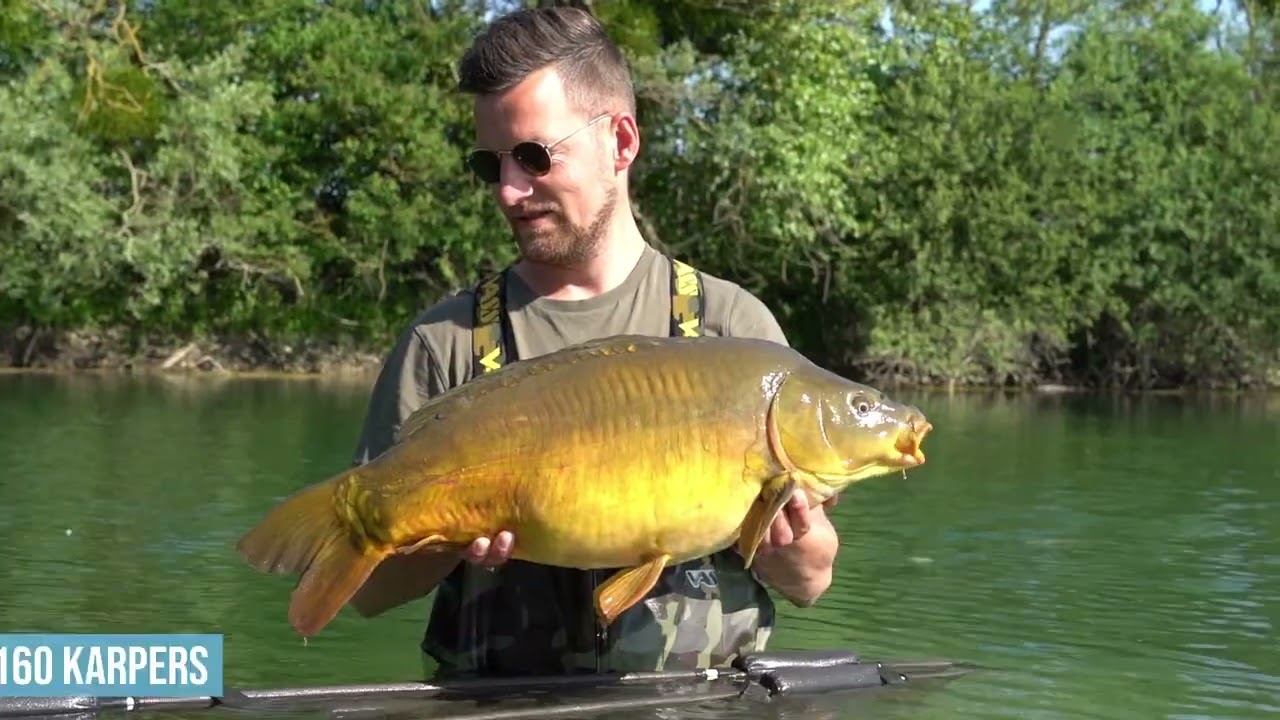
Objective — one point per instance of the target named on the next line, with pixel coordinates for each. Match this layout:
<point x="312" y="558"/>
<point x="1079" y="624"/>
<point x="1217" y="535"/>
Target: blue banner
<point x="39" y="665"/>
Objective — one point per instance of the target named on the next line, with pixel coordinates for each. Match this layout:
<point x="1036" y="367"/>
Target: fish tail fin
<point x="329" y="583"/>
<point x="304" y="535"/>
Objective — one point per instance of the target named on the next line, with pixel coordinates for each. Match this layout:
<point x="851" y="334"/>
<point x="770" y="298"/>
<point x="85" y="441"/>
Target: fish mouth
<point x="909" y="442"/>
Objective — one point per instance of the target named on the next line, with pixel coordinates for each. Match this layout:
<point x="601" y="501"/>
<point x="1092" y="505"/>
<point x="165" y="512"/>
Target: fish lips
<point x="910" y="441"/>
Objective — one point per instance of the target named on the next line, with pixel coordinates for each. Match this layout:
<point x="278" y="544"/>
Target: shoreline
<point x="367" y="374"/>
<point x="101" y="353"/>
<point x="71" y="353"/>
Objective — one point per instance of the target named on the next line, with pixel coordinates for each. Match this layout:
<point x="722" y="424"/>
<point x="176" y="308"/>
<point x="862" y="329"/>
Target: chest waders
<point x="493" y="345"/>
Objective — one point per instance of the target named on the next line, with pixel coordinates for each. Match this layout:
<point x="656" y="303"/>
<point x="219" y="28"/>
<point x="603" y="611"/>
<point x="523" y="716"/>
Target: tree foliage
<point x="1055" y="191"/>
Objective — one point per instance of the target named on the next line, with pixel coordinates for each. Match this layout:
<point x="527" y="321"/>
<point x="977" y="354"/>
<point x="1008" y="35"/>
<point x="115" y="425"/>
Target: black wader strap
<point x="491" y="331"/>
<point x="686" y="300"/>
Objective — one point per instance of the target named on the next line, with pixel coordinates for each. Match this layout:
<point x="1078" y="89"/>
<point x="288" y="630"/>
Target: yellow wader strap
<point x="491" y="331"/>
<point x="686" y="300"/>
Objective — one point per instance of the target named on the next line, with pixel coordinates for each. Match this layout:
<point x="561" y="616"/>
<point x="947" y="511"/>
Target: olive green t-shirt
<point x="434" y="353"/>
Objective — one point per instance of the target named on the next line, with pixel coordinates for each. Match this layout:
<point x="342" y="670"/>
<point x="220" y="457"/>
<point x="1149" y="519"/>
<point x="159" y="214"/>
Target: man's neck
<point x="607" y="269"/>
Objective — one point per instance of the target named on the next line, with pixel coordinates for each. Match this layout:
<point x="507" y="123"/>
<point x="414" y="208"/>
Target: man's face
<point x="560" y="217"/>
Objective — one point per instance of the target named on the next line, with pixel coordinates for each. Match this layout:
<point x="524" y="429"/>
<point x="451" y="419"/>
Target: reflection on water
<point x="1096" y="558"/>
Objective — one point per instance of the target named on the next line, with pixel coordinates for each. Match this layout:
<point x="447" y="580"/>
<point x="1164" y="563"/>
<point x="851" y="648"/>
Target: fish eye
<point x="859" y="404"/>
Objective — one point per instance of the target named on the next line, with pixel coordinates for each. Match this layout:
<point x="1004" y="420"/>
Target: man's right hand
<point x="486" y="553"/>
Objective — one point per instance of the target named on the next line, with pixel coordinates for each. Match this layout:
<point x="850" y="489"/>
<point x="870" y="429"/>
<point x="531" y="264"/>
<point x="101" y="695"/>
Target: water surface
<point x="1097" y="557"/>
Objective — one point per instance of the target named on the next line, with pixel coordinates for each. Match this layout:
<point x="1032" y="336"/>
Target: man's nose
<point x="514" y="184"/>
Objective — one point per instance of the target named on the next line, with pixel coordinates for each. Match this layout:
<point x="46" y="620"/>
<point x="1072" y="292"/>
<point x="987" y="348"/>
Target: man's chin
<point x="535" y="240"/>
<point x="540" y="246"/>
<point x="554" y="251"/>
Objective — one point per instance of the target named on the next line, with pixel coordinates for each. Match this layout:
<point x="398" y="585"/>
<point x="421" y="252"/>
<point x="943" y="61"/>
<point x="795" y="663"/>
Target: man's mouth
<point x="532" y="216"/>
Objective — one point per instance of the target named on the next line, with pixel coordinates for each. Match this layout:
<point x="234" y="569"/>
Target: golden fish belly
<point x="629" y="518"/>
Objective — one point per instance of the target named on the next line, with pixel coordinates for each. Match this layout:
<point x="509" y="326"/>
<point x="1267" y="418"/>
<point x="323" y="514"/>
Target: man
<point x="556" y="134"/>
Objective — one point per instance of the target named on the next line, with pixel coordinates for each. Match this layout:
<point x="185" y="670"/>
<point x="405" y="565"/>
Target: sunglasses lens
<point x="533" y="157"/>
<point x="486" y="165"/>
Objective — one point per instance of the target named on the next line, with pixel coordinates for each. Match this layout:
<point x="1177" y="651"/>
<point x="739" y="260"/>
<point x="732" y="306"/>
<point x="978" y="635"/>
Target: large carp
<point x="626" y="452"/>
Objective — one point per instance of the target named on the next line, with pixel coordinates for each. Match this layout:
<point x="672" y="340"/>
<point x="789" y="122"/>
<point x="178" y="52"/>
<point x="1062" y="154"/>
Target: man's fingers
<point x="800" y="524"/>
<point x="780" y="534"/>
<point x="797" y="514"/>
<point x="792" y="523"/>
<point x="798" y="501"/>
<point x="490" y="552"/>
<point x="500" y="552"/>
<point x="477" y="550"/>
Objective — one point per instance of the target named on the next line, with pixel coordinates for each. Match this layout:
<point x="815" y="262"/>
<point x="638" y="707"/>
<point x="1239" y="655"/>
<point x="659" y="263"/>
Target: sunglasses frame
<point x="530" y="155"/>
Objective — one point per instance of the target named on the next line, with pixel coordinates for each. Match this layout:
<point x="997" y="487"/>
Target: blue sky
<point x="1229" y="9"/>
<point x="1206" y="5"/>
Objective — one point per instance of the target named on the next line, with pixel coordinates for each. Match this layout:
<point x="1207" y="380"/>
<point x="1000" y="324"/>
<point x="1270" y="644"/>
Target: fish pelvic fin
<point x="774" y="493"/>
<point x="401" y="579"/>
<point x="626" y="588"/>
<point x="304" y="535"/>
<point x="407" y="574"/>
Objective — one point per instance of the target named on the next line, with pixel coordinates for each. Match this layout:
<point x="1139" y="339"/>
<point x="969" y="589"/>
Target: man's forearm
<point x="801" y="571"/>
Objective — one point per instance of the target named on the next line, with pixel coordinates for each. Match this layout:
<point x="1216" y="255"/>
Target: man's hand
<point x="490" y="553"/>
<point x="797" y="554"/>
<point x="791" y="524"/>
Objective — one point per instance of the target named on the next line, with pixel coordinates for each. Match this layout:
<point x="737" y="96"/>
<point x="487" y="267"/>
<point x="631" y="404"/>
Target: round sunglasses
<point x="533" y="157"/>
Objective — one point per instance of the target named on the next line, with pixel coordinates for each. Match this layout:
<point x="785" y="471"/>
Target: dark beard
<point x="569" y="245"/>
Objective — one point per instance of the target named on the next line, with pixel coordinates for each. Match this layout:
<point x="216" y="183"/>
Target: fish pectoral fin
<point x="626" y="588"/>
<point x="773" y="495"/>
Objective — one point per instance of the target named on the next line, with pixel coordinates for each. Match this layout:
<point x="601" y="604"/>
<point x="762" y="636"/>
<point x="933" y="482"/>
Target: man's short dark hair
<point x="516" y="45"/>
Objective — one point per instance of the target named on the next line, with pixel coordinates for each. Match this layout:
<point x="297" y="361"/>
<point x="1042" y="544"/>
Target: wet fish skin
<point x="628" y="452"/>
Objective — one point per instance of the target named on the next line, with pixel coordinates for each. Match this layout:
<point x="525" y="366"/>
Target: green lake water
<point x="1094" y="557"/>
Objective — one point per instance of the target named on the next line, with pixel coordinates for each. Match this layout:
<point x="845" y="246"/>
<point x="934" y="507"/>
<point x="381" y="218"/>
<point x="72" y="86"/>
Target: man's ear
<point x="626" y="141"/>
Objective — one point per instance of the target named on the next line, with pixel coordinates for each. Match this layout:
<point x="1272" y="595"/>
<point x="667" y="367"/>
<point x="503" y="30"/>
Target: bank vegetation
<point x="1006" y="193"/>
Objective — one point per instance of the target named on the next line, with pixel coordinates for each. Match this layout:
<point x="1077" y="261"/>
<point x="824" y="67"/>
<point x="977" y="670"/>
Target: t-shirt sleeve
<point x="750" y="317"/>
<point x="409" y="376"/>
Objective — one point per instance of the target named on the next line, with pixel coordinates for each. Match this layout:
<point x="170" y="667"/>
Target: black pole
<point x="19" y="707"/>
<point x="573" y="708"/>
<point x="476" y="686"/>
